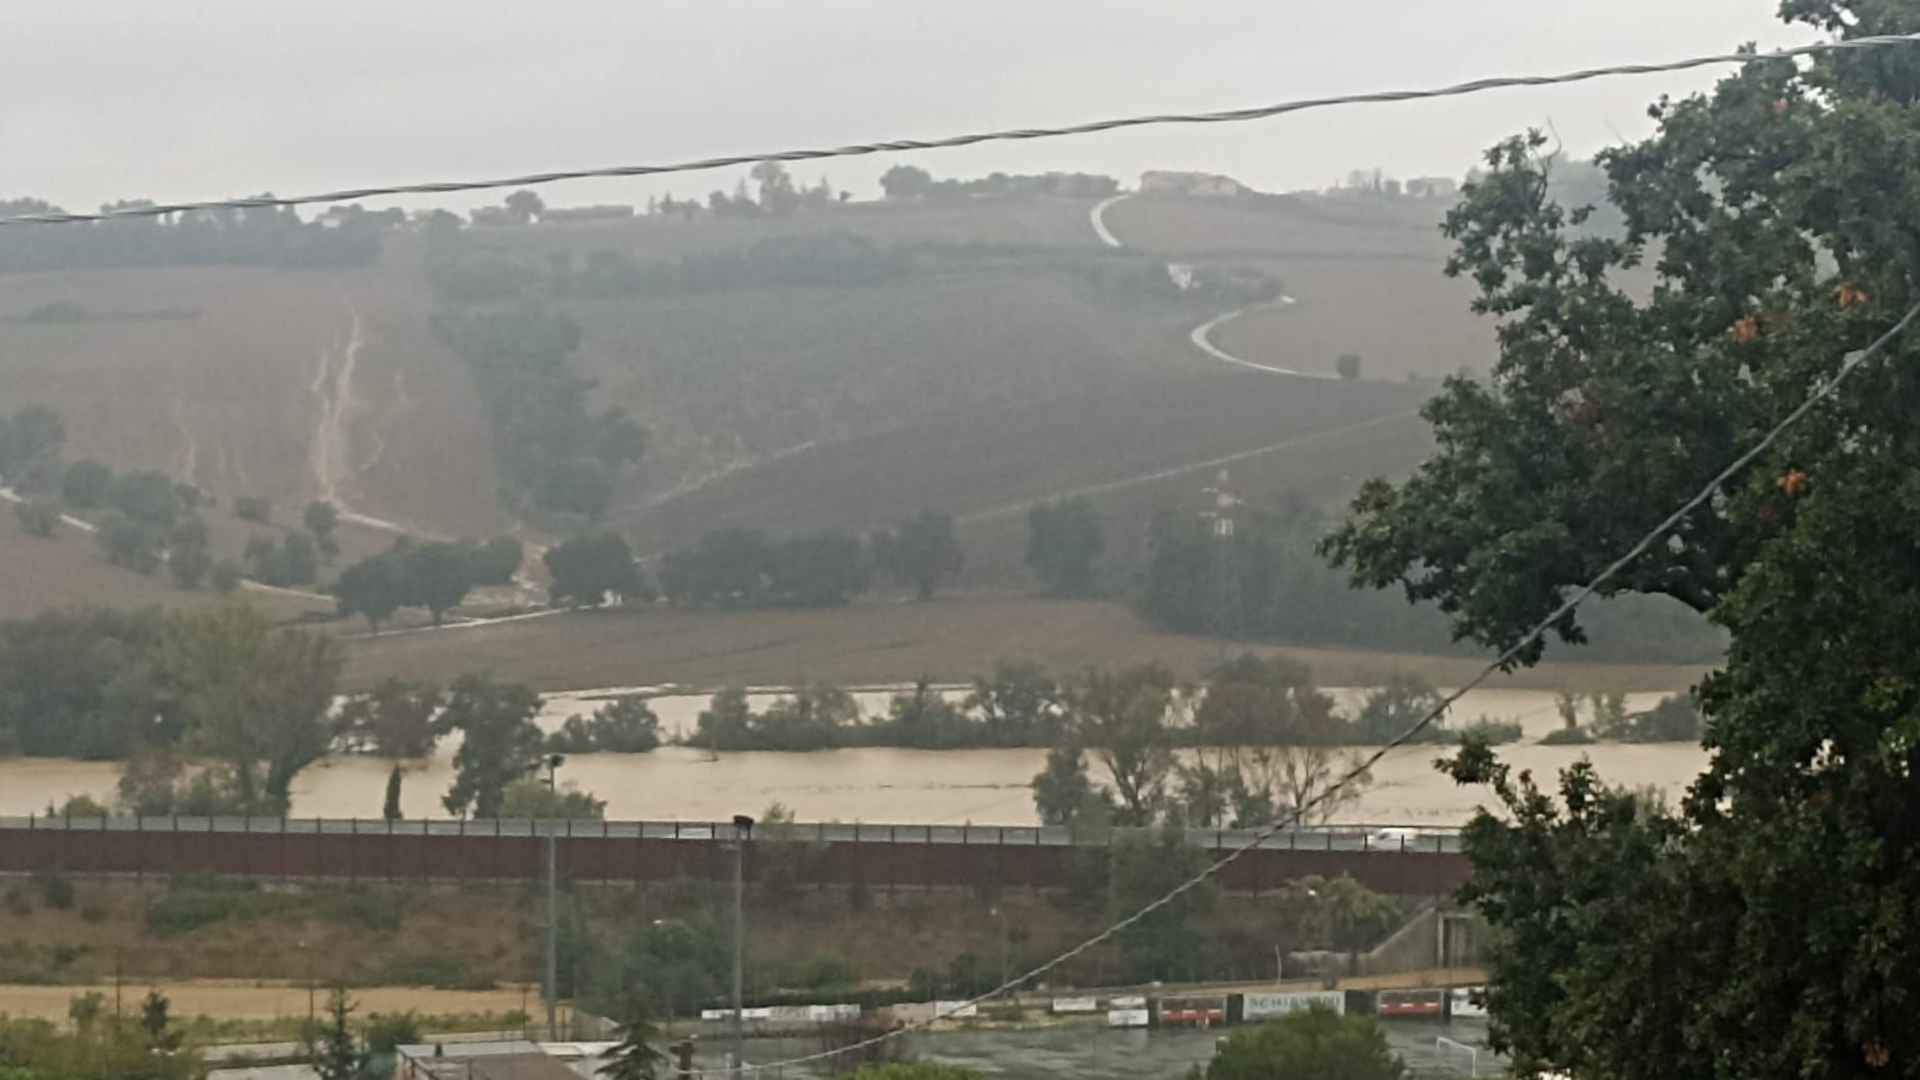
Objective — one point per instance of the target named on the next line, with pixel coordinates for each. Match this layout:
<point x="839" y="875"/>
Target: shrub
<point x="93" y="912"/>
<point x="1493" y="732"/>
<point x="1567" y="737"/>
<point x="39" y="517"/>
<point x="16" y="901"/>
<point x="253" y="508"/>
<point x="385" y="1032"/>
<point x="373" y="909"/>
<point x="55" y="891"/>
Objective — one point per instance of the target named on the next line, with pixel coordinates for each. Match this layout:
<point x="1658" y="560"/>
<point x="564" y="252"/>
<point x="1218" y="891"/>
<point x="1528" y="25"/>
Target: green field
<point x="885" y="641"/>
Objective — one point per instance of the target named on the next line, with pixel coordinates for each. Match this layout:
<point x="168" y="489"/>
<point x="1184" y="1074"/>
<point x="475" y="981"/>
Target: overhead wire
<point x="1228" y="116"/>
<point x="1849" y="364"/>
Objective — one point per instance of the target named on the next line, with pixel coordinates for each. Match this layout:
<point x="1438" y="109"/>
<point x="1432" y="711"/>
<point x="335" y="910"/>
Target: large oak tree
<point x="1771" y="925"/>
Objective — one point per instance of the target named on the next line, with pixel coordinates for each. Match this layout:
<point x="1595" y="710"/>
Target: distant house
<point x="1432" y="187"/>
<point x="1193" y="185"/>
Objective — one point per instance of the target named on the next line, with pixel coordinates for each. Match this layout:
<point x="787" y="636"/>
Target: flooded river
<point x="988" y="787"/>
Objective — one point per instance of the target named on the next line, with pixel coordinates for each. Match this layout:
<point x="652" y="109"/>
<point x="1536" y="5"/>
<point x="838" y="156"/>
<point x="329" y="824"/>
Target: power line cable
<point x="1260" y="112"/>
<point x="1825" y="389"/>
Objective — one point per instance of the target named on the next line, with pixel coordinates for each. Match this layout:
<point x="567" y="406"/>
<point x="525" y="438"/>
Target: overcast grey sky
<point x="179" y="99"/>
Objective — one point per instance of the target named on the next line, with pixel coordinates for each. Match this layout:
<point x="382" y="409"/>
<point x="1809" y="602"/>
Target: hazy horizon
<point x="118" y="100"/>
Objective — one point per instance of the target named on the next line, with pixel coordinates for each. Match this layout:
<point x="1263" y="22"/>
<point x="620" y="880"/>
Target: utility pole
<point x="553" y="937"/>
<point x="742" y="832"/>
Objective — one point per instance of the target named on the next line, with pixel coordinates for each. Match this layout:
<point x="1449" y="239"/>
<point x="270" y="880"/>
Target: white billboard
<point x="1261" y="1006"/>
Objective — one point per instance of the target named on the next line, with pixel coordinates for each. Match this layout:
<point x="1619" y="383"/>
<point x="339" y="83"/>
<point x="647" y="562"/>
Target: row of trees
<point x="1268" y="581"/>
<point x="436" y="575"/>
<point x="264" y="236"/>
<point x="811" y="260"/>
<point x="146" y="520"/>
<point x="903" y="182"/>
<point x="98" y="1042"/>
<point x="556" y="455"/>
<point x="745" y="568"/>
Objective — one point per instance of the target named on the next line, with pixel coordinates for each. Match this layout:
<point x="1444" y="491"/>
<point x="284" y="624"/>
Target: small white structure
<point x="1221" y="514"/>
<point x="1193" y="185"/>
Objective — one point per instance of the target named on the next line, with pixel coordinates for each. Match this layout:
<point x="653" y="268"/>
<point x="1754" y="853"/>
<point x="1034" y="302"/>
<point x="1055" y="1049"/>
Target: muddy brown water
<point x="988" y="787"/>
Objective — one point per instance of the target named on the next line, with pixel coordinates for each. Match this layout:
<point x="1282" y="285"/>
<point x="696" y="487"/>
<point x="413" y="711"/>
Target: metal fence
<point x="879" y="856"/>
<point x="1370" y="838"/>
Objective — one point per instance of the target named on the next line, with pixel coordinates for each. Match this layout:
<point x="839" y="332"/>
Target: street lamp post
<point x="552" y="988"/>
<point x="742" y="832"/>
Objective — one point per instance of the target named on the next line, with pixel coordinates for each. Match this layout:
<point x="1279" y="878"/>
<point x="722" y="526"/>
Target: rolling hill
<point x="999" y="354"/>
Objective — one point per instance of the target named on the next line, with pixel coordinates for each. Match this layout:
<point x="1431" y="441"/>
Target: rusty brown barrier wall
<point x="379" y="855"/>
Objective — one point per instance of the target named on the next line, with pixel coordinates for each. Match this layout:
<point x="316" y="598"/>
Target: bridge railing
<point x="1340" y="837"/>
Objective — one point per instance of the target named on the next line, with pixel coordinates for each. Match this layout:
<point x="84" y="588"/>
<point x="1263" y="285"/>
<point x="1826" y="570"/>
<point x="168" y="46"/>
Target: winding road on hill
<point x="1202" y="335"/>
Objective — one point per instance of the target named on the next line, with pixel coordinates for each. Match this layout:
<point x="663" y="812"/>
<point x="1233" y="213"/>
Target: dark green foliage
<point x="814" y="717"/>
<point x="913" y="182"/>
<point x="271" y="237"/>
<point x="500" y="743"/>
<point x="1267" y="582"/>
<point x="497" y="561"/>
<point x="372" y="587"/>
<point x="1318" y="1043"/>
<point x="823" y="569"/>
<point x="554" y="453"/>
<point x="333" y="1052"/>
<point x="1063" y="792"/>
<point x="924" y="718"/>
<point x="624" y="726"/>
<point x="38" y="517"/>
<point x="1766" y="927"/>
<point x="224" y="576"/>
<point x="253" y="698"/>
<point x="258" y="508"/>
<point x="30" y="443"/>
<point x="1348" y="365"/>
<point x="436" y="575"/>
<point x="637" y="1056"/>
<point x="1121" y="716"/>
<point x="1493" y="732"/>
<point x="1674" y="719"/>
<point x="190" y="552"/>
<point x="80" y="684"/>
<point x="386" y="1032"/>
<point x="738" y="568"/>
<point x="1395" y="706"/>
<point x="587" y="568"/>
<point x="130" y="543"/>
<point x="1165" y="944"/>
<point x="728" y="568"/>
<point x="922" y="552"/>
<point x="1567" y="737"/>
<point x="1018" y="705"/>
<point x="56" y="891"/>
<point x="1064" y="540"/>
<point x="149" y="497"/>
<point x="295" y="560"/>
<point x="1255" y="701"/>
<point x="534" y="799"/>
<point x="86" y="485"/>
<point x="395" y="720"/>
<point x="390" y="804"/>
